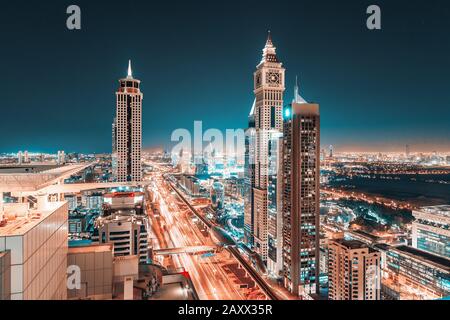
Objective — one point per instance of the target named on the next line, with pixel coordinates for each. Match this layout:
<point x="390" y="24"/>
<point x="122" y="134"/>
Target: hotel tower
<point x="127" y="130"/>
<point x="300" y="196"/>
<point x="267" y="116"/>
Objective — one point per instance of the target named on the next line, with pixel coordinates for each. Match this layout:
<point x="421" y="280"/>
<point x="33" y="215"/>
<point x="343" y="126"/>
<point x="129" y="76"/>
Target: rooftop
<point x="425" y="256"/>
<point x="351" y="244"/>
<point x="21" y="225"/>
<point x="35" y="181"/>
<point x="443" y="210"/>
<point x="92" y="248"/>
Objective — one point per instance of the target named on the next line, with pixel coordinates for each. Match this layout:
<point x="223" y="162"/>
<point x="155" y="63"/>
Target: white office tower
<point x="61" y="158"/>
<point x="127" y="130"/>
<point x="26" y="158"/>
<point x="268" y="90"/>
<point x="34" y="242"/>
<point x="19" y="157"/>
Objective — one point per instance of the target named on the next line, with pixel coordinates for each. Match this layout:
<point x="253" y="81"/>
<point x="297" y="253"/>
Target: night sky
<point x="377" y="90"/>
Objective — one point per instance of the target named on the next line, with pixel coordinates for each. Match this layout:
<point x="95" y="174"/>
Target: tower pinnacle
<point x="269" y="39"/>
<point x="130" y="72"/>
<point x="297" y="97"/>
<point x="269" y="51"/>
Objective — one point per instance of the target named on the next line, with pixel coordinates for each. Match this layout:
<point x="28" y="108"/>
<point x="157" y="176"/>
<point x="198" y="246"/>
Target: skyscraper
<point x="268" y="90"/>
<point x="300" y="199"/>
<point x="353" y="271"/>
<point x="127" y="130"/>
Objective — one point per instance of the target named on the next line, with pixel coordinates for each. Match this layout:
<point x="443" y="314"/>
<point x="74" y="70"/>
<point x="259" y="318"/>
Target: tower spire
<point x="297" y="97"/>
<point x="269" y="51"/>
<point x="130" y="72"/>
<point x="269" y="39"/>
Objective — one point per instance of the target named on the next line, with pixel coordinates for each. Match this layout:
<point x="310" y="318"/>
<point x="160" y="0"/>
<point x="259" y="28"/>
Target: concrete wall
<point x="5" y="275"/>
<point x="96" y="266"/>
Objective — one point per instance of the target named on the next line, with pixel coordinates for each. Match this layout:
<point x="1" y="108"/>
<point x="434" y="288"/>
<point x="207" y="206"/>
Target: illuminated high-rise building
<point x="127" y="130"/>
<point x="268" y="90"/>
<point x="300" y="199"/>
<point x="354" y="271"/>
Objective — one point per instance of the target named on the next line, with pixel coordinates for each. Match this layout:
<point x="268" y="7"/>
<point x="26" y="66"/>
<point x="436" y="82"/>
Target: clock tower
<point x="268" y="89"/>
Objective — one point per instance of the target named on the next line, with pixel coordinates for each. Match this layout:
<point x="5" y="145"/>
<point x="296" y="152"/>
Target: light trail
<point x="210" y="281"/>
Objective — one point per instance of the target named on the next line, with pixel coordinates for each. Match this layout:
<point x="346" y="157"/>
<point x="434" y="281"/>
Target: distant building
<point x="127" y="231"/>
<point x="19" y="157"/>
<point x="93" y="200"/>
<point x="431" y="230"/>
<point x="353" y="271"/>
<point x="76" y="223"/>
<point x="301" y="196"/>
<point x="191" y="184"/>
<point x="26" y="158"/>
<point x="201" y="169"/>
<point x="217" y="195"/>
<point x="127" y="130"/>
<point x="61" y="157"/>
<point x="72" y="200"/>
<point x="413" y="274"/>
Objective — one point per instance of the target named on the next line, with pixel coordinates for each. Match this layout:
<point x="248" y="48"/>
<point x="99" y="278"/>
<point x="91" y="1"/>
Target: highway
<point x="234" y="251"/>
<point x="176" y="229"/>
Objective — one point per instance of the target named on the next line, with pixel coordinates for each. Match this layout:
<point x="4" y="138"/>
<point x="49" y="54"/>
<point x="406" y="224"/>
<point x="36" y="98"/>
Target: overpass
<point x="190" y="249"/>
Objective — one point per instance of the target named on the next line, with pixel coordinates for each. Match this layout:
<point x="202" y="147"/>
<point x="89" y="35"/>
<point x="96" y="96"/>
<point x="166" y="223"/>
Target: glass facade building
<point x="430" y="230"/>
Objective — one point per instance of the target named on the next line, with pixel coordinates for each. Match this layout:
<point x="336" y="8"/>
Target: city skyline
<point x="77" y="65"/>
<point x="330" y="183"/>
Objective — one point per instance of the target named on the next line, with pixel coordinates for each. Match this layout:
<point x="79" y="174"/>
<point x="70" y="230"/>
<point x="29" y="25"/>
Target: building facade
<point x="274" y="212"/>
<point x="354" y="271"/>
<point x="127" y="130"/>
<point x="249" y="179"/>
<point x="5" y="275"/>
<point x="412" y="274"/>
<point x="128" y="233"/>
<point x="430" y="230"/>
<point x="300" y="199"/>
<point x="37" y="246"/>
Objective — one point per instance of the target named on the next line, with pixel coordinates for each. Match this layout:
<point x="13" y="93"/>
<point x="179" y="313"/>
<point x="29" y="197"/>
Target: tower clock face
<point x="273" y="78"/>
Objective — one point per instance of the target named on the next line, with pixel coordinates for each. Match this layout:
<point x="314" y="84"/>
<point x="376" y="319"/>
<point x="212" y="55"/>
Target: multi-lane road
<point x="175" y="229"/>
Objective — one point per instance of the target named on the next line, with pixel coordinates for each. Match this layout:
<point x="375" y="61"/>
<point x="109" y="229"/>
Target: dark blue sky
<point x="378" y="90"/>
